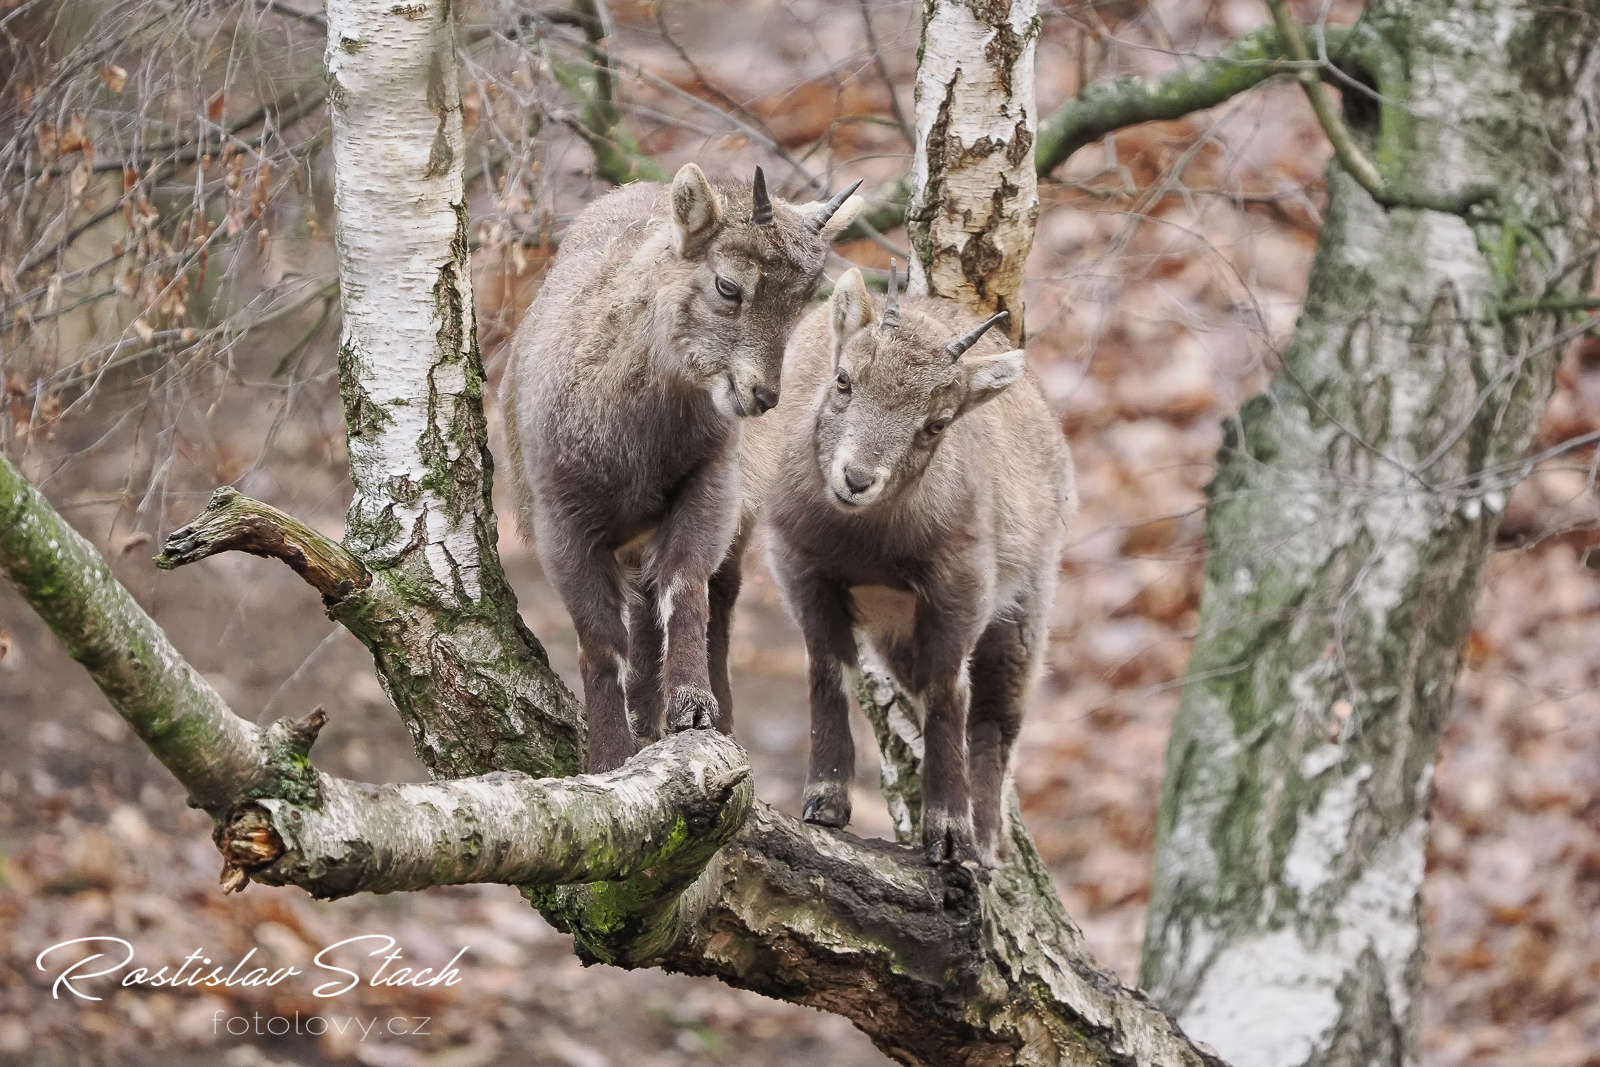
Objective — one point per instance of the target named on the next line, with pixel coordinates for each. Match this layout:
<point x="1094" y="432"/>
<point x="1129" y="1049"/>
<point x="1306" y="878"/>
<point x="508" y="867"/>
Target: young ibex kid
<point x="661" y="324"/>
<point x="920" y="493"/>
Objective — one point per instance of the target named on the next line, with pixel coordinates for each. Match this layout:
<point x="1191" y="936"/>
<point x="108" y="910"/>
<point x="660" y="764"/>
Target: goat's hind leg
<point x="590" y="584"/>
<point x="1003" y="667"/>
<point x="646" y="705"/>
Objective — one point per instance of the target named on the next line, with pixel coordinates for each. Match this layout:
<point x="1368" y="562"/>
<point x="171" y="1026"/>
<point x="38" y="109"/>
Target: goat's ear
<point x="696" y="210"/>
<point x="989" y="375"/>
<point x="849" y="309"/>
<point x="841" y="218"/>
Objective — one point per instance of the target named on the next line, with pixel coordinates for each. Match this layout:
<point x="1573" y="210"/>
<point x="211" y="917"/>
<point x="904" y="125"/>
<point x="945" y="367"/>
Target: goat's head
<point x="748" y="265"/>
<point x="897" y="388"/>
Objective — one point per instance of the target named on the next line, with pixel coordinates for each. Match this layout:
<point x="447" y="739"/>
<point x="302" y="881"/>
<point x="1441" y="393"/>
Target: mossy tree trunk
<point x="1354" y="507"/>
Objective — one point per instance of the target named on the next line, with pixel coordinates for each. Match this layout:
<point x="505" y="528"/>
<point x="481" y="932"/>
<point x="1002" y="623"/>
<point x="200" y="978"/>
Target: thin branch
<point x="906" y="129"/>
<point x="308" y="17"/>
<point x="617" y="156"/>
<point x="1102" y="107"/>
<point x="700" y="76"/>
<point x="694" y="101"/>
<point x="1308" y="74"/>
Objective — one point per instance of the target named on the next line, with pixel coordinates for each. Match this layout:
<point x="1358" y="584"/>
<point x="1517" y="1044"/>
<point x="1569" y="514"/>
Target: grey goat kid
<point x="920" y="489"/>
<point x="660" y="326"/>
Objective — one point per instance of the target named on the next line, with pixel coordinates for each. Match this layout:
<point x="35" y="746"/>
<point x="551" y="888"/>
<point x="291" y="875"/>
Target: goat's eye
<point x="936" y="426"/>
<point x="843" y="380"/>
<point x="728" y="289"/>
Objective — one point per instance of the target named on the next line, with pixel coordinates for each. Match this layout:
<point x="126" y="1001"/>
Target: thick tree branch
<point x="214" y="753"/>
<point x="658" y="819"/>
<point x="654" y="823"/>
<point x="936" y="965"/>
<point x="1110" y="105"/>
<point x="232" y="522"/>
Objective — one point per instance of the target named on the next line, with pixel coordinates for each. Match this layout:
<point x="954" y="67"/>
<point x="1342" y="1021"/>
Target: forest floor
<point x="1151" y="315"/>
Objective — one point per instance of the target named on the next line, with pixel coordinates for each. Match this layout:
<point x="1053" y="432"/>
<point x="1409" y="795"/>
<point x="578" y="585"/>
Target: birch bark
<point x="1351" y="515"/>
<point x="472" y="684"/>
<point x="974" y="193"/>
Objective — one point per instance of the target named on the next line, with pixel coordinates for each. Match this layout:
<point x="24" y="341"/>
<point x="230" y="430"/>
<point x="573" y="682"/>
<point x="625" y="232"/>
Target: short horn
<point x="824" y="213"/>
<point x="762" y="214"/>
<point x="959" y="346"/>
<point x="891" y="310"/>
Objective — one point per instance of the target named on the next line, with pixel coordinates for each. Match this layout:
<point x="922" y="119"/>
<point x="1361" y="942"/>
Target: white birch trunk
<point x="975" y="196"/>
<point x="412" y="383"/>
<point x="401" y="230"/>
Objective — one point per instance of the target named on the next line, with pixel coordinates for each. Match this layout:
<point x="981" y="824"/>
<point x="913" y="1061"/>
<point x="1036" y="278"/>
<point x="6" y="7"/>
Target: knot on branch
<point x="247" y="842"/>
<point x="721" y="786"/>
<point x="233" y="522"/>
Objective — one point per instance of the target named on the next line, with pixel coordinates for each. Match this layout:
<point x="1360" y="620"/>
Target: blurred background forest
<point x="171" y="324"/>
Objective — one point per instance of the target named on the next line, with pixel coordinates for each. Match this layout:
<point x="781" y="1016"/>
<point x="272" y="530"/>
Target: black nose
<point x="766" y="399"/>
<point x="854" y="481"/>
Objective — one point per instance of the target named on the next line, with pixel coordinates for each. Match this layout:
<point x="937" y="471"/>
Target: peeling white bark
<point x="975" y="195"/>
<point x="401" y="236"/>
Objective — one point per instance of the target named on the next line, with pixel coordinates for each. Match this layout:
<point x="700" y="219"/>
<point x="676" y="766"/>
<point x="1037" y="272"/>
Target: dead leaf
<point x="143" y="329"/>
<point x="214" y="106"/>
<point x="115" y="78"/>
<point x="75" y="138"/>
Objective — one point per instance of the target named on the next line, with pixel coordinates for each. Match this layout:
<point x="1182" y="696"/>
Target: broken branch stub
<point x="233" y="522"/>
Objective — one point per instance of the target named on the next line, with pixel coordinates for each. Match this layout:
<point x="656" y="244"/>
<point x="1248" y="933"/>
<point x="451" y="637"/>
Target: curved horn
<point x="816" y="222"/>
<point x="957" y="347"/>
<point x="762" y="214"/>
<point x="891" y="310"/>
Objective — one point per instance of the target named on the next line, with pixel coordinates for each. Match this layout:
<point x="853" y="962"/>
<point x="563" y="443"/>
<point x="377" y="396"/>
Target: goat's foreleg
<point x="685" y="552"/>
<point x="822" y="607"/>
<point x="942" y="682"/>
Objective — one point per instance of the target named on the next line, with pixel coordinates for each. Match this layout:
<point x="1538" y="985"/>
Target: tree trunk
<point x="1353" y="510"/>
<point x="975" y="197"/>
<point x="472" y="684"/>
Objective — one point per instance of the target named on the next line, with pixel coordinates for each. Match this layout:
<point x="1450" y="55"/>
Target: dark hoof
<point x="827" y="805"/>
<point x="947" y="840"/>
<point x="691" y="709"/>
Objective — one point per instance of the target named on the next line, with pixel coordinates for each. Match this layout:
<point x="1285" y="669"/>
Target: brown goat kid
<point x="660" y="326"/>
<point x="916" y="492"/>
